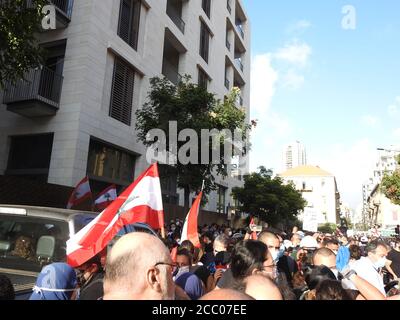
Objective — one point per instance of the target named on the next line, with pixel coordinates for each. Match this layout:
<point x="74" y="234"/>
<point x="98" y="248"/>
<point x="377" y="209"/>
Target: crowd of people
<point x="229" y="265"/>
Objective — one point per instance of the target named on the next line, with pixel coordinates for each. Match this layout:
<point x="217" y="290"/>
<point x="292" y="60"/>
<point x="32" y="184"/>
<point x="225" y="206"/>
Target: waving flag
<point x="105" y="197"/>
<point x="253" y="234"/>
<point x="190" y="231"/>
<point x="80" y="193"/>
<point x="140" y="202"/>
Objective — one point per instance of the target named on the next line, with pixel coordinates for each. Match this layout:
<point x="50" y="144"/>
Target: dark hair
<point x="246" y="256"/>
<point x="6" y="288"/>
<point x="314" y="275"/>
<point x="355" y="252"/>
<point x="373" y="245"/>
<point x="328" y="241"/>
<point x="188" y="245"/>
<point x="186" y="253"/>
<point x="331" y="290"/>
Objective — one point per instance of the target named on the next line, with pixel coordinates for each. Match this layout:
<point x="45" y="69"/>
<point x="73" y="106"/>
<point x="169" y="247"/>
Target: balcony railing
<point x="171" y="72"/>
<point x="39" y="91"/>
<point x="228" y="6"/>
<point x="64" y="5"/>
<point x="239" y="64"/>
<point x="240" y="29"/>
<point x="227" y="84"/>
<point x="175" y="17"/>
<point x="228" y="44"/>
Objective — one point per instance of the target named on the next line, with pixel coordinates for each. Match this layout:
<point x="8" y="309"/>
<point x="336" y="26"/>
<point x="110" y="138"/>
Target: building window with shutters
<point x="221" y="199"/>
<point x="122" y="92"/>
<point x="204" y="41"/>
<point x="203" y="79"/>
<point x="206" y="5"/>
<point x="129" y="18"/>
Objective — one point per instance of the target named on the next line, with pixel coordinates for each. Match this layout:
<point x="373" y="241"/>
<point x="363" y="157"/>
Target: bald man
<point x="226" y="294"/>
<point x="327" y="258"/>
<point x="133" y="272"/>
<point x="261" y="288"/>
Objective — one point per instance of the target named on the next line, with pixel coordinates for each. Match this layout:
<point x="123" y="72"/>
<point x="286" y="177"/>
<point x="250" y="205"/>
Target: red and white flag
<point x="80" y="193"/>
<point x="190" y="231"/>
<point x="253" y="234"/>
<point x="140" y="202"/>
<point x="105" y="197"/>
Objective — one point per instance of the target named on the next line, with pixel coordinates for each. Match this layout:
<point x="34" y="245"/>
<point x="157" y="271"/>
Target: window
<point x="206" y="5"/>
<point x="30" y="155"/>
<point x="221" y="199"/>
<point x="122" y="92"/>
<point x="304" y="186"/>
<point x="129" y="18"/>
<point x="204" y="41"/>
<point x="203" y="79"/>
<point x="109" y="164"/>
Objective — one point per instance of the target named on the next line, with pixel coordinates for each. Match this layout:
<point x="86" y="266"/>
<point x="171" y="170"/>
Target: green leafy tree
<point x="269" y="199"/>
<point x="391" y="187"/>
<point x="192" y="107"/>
<point x="20" y="20"/>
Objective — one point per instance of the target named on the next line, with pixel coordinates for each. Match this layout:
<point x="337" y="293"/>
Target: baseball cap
<point x="308" y="242"/>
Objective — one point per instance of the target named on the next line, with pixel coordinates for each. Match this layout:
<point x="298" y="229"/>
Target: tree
<point x="20" y="50"/>
<point x="191" y="107"/>
<point x="269" y="199"/>
<point x="391" y="187"/>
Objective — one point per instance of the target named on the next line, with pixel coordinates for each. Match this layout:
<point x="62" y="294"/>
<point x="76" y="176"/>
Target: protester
<point x="6" y="288"/>
<point x="136" y="274"/>
<point x="394" y="259"/>
<point x="331" y="290"/>
<point x="90" y="279"/>
<point x="191" y="284"/>
<point x="56" y="281"/>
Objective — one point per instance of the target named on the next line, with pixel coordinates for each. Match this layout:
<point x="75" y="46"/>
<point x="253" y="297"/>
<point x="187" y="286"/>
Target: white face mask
<point x="275" y="255"/>
<point x="230" y="233"/>
<point x="336" y="273"/>
<point x="380" y="263"/>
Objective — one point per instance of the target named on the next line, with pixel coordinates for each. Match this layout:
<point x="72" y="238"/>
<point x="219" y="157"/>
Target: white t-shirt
<point x="366" y="270"/>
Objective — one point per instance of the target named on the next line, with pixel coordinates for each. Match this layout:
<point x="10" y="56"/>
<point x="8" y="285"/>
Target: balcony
<point x="171" y="72"/>
<point x="63" y="12"/>
<point x="227" y="84"/>
<point x="239" y="64"/>
<point x="176" y="18"/>
<point x="228" y="44"/>
<point x="239" y="28"/>
<point x="38" y="95"/>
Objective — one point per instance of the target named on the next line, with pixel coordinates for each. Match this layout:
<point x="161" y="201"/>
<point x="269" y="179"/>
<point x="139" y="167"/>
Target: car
<point x="31" y="237"/>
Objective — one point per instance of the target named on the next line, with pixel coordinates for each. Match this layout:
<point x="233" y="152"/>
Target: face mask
<point x="380" y="263"/>
<point x="281" y="251"/>
<point x="230" y="233"/>
<point x="335" y="252"/>
<point x="275" y="255"/>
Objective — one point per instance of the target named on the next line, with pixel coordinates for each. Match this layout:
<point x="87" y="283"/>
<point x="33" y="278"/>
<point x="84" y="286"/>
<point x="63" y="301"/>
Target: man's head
<point x="331" y="243"/>
<point x="134" y="273"/>
<point x="377" y="251"/>
<point x="325" y="257"/>
<point x="261" y="288"/>
<point x="273" y="244"/>
<point x="220" y="244"/>
<point x="89" y="268"/>
<point x="226" y="294"/>
<point x="296" y="239"/>
<point x="228" y="232"/>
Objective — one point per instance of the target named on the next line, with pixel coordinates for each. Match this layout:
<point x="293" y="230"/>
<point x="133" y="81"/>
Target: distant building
<point x="294" y="155"/>
<point x="319" y="188"/>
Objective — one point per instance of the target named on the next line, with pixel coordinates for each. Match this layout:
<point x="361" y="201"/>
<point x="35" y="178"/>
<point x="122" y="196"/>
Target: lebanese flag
<point x="189" y="231"/>
<point x="140" y="202"/>
<point x="106" y="197"/>
<point x="80" y="193"/>
<point x="253" y="234"/>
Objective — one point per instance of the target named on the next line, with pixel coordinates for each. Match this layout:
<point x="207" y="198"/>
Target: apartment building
<point x="75" y="116"/>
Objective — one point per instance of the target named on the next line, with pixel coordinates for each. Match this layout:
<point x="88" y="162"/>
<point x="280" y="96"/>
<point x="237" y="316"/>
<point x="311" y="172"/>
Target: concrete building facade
<point x="76" y="115"/>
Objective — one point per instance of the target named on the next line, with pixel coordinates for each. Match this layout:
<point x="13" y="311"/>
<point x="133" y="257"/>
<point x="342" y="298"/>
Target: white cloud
<point x="370" y="121"/>
<point x="263" y="83"/>
<point x="299" y="27"/>
<point x="393" y="110"/>
<point x="352" y="166"/>
<point x="294" y="52"/>
<point x="292" y="80"/>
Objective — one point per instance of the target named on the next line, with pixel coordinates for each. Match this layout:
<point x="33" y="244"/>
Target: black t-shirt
<point x="93" y="289"/>
<point x="394" y="256"/>
<point x="226" y="281"/>
<point x="201" y="272"/>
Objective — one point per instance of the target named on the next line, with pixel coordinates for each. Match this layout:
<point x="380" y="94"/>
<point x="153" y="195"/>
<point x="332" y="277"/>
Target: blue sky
<point x="335" y="90"/>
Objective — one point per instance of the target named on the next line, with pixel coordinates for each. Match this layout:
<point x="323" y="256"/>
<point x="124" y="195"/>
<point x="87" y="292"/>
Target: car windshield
<point x="27" y="243"/>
